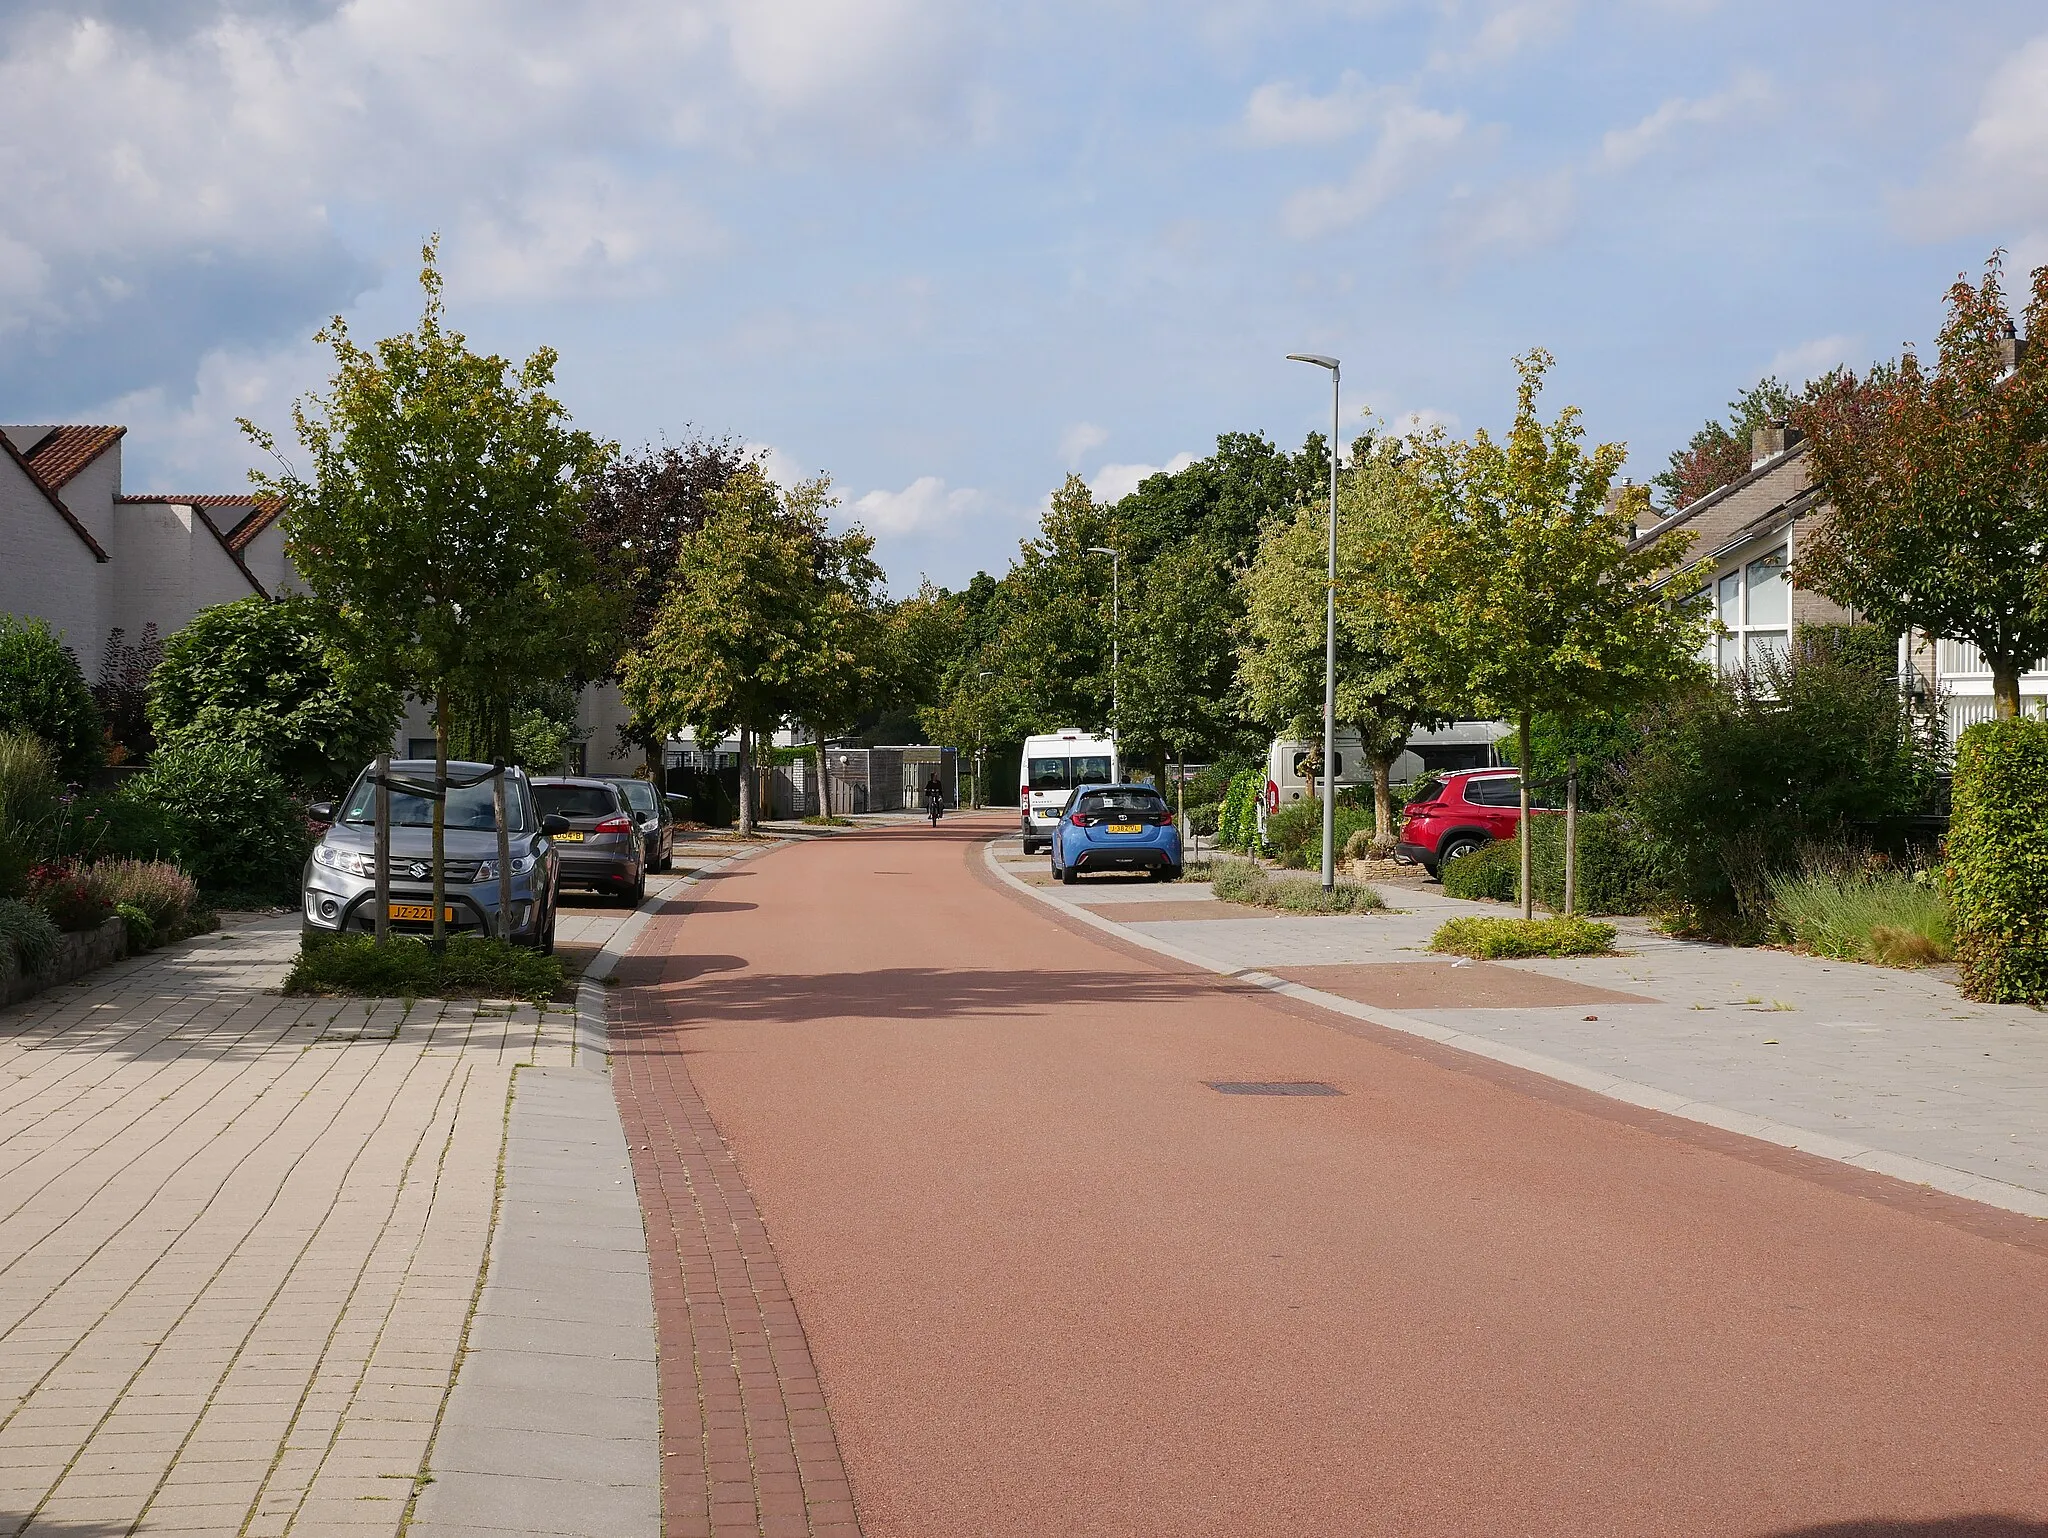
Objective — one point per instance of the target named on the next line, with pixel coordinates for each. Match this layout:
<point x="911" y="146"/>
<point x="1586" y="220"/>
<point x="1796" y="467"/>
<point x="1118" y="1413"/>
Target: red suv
<point x="1458" y="814"/>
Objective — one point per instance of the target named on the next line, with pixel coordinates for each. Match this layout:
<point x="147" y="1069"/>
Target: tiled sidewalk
<point x="239" y="1237"/>
<point x="1892" y="1071"/>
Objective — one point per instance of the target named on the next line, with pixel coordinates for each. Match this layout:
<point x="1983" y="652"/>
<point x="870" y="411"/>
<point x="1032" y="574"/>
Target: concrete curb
<point x="593" y="1008"/>
<point x="1939" y="1177"/>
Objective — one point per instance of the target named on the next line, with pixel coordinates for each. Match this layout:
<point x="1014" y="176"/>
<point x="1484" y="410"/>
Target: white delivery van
<point x="1052" y="766"/>
<point x="1287" y="764"/>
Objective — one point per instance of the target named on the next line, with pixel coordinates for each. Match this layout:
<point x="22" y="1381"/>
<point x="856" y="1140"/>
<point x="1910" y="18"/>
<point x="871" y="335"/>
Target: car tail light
<point x="1078" y="820"/>
<point x="615" y="825"/>
<point x="1166" y="821"/>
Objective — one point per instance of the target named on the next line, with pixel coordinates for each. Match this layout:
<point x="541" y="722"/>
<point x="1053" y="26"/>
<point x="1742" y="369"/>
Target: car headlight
<point x="521" y="864"/>
<point x="345" y="860"/>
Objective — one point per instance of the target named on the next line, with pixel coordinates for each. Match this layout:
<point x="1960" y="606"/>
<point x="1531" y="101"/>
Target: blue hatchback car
<point x="1115" y="827"/>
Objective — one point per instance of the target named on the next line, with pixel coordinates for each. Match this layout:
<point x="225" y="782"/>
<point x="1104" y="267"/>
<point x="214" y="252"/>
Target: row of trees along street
<point x="1490" y="577"/>
<point x="464" y="543"/>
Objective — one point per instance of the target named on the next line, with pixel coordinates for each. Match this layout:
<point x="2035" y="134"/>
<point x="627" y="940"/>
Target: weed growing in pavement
<point x="407" y="968"/>
<point x="1246" y="881"/>
<point x="1491" y="939"/>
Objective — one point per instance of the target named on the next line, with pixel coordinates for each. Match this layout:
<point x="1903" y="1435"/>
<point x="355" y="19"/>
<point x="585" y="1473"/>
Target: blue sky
<point x="947" y="251"/>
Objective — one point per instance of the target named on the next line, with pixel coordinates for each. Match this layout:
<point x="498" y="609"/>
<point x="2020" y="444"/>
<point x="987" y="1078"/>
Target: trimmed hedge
<point x="472" y="966"/>
<point x="1493" y="939"/>
<point x="1615" y="873"/>
<point x="1998" y="861"/>
<point x="1492" y="872"/>
<point x="1237" y="825"/>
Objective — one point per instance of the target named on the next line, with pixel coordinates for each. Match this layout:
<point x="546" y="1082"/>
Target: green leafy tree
<point x="1937" y="486"/>
<point x="1180" y="656"/>
<point x="1535" y="600"/>
<point x="263" y="673"/>
<point x="732" y="644"/>
<point x="850" y="662"/>
<point x="1385" y="688"/>
<point x="43" y="692"/>
<point x="440" y="520"/>
<point x="1719" y="452"/>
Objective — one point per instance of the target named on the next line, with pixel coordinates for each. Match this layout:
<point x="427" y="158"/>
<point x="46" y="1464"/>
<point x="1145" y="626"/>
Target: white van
<point x="1052" y="766"/>
<point x="1287" y="763"/>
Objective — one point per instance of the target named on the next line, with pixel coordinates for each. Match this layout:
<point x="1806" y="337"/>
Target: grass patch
<point x="1887" y="919"/>
<point x="1246" y="881"/>
<point x="828" y="822"/>
<point x="1491" y="939"/>
<point x="407" y="968"/>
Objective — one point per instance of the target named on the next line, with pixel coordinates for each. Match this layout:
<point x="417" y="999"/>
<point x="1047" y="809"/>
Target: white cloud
<point x="1412" y="139"/>
<point x="924" y="505"/>
<point x="194" y="445"/>
<point x="1114" y="482"/>
<point x="1280" y="113"/>
<point x="1078" y="439"/>
<point x="1507" y="29"/>
<point x="1516" y="216"/>
<point x="1809" y="360"/>
<point x="1999" y="173"/>
<point x="1623" y="147"/>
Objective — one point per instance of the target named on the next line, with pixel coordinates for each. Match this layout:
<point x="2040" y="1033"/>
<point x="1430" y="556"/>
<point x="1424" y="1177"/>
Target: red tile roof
<point x="261" y="512"/>
<point x="64" y="451"/>
<point x="192" y="499"/>
<point x="50" y="496"/>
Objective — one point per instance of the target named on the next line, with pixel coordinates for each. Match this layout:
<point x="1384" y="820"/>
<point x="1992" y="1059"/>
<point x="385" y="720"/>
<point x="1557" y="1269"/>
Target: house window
<point x="1754" y="605"/>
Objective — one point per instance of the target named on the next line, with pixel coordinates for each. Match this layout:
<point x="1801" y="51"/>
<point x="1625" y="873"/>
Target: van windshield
<point x="1092" y="770"/>
<point x="1048" y="773"/>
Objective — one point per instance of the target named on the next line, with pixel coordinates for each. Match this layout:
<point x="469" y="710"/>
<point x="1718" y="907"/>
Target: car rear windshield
<point x="1430" y="792"/>
<point x="576" y="800"/>
<point x="638" y="793"/>
<point x="470" y="808"/>
<point x="1109" y="803"/>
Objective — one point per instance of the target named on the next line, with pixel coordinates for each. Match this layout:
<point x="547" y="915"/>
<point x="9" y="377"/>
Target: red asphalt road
<point x="1054" y="1285"/>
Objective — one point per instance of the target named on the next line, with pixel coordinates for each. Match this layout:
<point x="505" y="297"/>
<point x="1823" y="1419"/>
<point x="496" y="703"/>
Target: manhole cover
<point x="1290" y="1087"/>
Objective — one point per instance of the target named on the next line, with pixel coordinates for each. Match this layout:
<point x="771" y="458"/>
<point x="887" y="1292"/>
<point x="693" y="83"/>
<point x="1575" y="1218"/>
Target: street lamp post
<point x="979" y="790"/>
<point x="1329" y="635"/>
<point x="1116" y="644"/>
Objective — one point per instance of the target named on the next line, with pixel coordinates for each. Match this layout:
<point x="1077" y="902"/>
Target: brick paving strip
<point x="1888" y="1071"/>
<point x="747" y="1443"/>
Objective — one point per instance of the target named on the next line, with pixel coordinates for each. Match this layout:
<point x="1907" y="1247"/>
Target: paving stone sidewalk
<point x="1890" y="1070"/>
<point x="241" y="1235"/>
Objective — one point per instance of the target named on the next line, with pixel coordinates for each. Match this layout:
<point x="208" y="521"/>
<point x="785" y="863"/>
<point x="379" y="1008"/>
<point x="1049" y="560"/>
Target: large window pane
<point x="1729" y="603"/>
<point x="1766" y="644"/>
<point x="1048" y="774"/>
<point x="1770" y="594"/>
<point x="1731" y="653"/>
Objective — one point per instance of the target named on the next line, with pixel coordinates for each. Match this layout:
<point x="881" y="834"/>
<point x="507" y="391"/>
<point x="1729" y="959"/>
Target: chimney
<point x="1771" y="440"/>
<point x="2012" y="347"/>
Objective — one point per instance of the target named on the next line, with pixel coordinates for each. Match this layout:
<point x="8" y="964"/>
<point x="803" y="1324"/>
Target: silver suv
<point x="340" y="885"/>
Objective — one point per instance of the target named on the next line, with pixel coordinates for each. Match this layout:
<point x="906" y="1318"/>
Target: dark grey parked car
<point x="657" y="822"/>
<point x="339" y="889"/>
<point x="601" y="847"/>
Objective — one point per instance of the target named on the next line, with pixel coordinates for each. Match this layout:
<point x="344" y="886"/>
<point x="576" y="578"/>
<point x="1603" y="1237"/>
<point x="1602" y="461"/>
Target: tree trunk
<point x="746" y="781"/>
<point x="1180" y="799"/>
<point x="1571" y="842"/>
<point x="440" y="818"/>
<point x="381" y="848"/>
<point x="504" y="855"/>
<point x="1382" y="800"/>
<point x="656" y="749"/>
<point x="1528" y="887"/>
<point x="2005" y="689"/>
<point x="824" y="782"/>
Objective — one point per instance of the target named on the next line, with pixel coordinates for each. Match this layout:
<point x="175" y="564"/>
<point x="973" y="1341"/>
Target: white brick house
<point x="76" y="552"/>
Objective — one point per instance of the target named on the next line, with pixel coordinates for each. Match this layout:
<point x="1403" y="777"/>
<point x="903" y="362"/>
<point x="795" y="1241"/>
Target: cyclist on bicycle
<point x="934" y="797"/>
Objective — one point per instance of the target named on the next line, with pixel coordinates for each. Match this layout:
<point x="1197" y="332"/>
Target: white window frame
<point x="1735" y="638"/>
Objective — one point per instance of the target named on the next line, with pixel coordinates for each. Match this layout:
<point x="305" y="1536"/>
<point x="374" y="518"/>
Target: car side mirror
<point x="553" y="825"/>
<point x="321" y="811"/>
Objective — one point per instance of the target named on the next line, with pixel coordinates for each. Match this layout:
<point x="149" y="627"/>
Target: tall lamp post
<point x="979" y="796"/>
<point x="1329" y="636"/>
<point x="1116" y="644"/>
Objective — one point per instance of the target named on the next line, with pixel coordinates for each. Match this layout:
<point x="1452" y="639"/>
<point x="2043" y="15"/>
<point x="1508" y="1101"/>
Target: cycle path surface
<point x="1017" y="1267"/>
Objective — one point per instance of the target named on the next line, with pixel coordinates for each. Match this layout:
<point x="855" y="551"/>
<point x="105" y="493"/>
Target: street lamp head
<point x="1313" y="357"/>
<point x="1100" y="550"/>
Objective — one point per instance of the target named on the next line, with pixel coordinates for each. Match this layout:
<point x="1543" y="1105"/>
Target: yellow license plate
<point x="420" y="913"/>
<point x="568" y="838"/>
<point x="1127" y="827"/>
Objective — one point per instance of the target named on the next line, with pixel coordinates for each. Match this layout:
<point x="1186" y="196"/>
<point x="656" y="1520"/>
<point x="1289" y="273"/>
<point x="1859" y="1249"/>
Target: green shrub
<point x="1237" y="823"/>
<point x="28" y="935"/>
<point x="29" y="788"/>
<point x="111" y="825"/>
<point x="1998" y="860"/>
<point x="1492" y="872"/>
<point x="1887" y="918"/>
<point x="1296" y="831"/>
<point x="141" y="932"/>
<point x="407" y="968"/>
<point x="1493" y="939"/>
<point x="1615" y="873"/>
<point x="68" y="895"/>
<point x="165" y="894"/>
<point x="1203" y="817"/>
<point x="1246" y="881"/>
<point x="1734" y="776"/>
<point x="257" y="672"/>
<point x="229" y="817"/>
<point x="43" y="692"/>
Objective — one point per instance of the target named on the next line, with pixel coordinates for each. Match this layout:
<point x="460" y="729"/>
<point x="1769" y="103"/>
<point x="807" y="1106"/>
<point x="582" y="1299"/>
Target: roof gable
<point x="49" y="495"/>
<point x="62" y="452"/>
